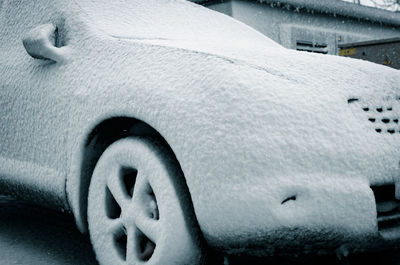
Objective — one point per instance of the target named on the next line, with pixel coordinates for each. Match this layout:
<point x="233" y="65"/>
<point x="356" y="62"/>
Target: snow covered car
<point x="163" y="126"/>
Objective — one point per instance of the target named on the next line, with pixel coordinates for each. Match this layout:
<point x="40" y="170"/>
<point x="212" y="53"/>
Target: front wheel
<point x="136" y="207"/>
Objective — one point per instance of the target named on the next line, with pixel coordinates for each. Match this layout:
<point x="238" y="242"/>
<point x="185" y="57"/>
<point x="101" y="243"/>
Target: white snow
<point x="174" y="233"/>
<point x="40" y="44"/>
<point x="251" y="123"/>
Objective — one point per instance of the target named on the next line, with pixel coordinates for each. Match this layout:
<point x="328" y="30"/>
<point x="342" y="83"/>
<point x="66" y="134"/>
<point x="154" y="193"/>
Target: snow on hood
<point x="175" y="23"/>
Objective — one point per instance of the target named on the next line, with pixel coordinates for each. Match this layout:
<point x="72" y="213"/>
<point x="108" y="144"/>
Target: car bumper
<point x="312" y="215"/>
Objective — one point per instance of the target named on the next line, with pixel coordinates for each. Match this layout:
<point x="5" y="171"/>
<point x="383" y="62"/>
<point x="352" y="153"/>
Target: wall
<point x="286" y="26"/>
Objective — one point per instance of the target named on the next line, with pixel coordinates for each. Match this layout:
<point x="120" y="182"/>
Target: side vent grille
<point x="388" y="210"/>
<point x="309" y="46"/>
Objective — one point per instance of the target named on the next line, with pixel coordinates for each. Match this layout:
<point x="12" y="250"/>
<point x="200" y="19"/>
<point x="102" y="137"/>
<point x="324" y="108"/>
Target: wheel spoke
<point x="114" y="226"/>
<point x="146" y="208"/>
<point x="132" y="247"/>
<point x="141" y="184"/>
<point x="148" y="226"/>
<point x="117" y="190"/>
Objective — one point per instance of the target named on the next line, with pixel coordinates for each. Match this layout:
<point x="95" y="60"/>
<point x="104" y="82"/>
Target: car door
<point x="33" y="111"/>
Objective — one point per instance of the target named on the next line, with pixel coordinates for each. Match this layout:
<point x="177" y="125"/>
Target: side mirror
<point x="43" y="42"/>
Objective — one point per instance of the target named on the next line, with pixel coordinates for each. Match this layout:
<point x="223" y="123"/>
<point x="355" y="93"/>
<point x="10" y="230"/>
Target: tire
<point x="137" y="207"/>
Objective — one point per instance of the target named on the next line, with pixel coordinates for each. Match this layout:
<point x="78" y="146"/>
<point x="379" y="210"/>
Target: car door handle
<point x="42" y="42"/>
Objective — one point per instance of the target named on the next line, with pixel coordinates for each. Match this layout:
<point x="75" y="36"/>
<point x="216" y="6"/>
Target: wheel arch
<point x="97" y="140"/>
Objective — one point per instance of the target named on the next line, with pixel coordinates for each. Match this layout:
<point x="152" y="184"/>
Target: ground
<point x="33" y="235"/>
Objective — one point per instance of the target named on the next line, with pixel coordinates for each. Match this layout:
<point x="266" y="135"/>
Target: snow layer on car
<point x="175" y="23"/>
<point x="253" y="129"/>
<point x="248" y="134"/>
<point x="251" y="126"/>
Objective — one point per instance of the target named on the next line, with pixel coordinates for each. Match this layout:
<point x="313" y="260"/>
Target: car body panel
<point x="34" y="111"/>
<point x="251" y="126"/>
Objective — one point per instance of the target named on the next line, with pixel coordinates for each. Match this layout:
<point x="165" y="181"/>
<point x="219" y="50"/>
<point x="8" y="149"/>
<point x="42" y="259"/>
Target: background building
<point x="386" y="51"/>
<point x="312" y="25"/>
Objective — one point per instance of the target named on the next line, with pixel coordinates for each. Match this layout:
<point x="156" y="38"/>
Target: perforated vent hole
<point x="384" y="115"/>
<point x="351" y="100"/>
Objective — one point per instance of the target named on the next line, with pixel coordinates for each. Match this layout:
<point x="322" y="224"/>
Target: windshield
<point x="153" y="20"/>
